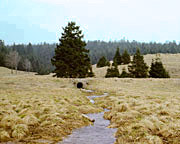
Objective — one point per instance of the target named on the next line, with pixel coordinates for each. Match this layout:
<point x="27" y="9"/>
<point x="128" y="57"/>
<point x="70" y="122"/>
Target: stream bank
<point x="98" y="133"/>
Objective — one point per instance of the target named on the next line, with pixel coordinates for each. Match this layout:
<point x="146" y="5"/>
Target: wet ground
<point x="98" y="133"/>
<point x="94" y="134"/>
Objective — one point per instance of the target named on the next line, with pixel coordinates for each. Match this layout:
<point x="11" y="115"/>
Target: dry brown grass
<point x="40" y="107"/>
<point x="170" y="61"/>
<point x="143" y="110"/>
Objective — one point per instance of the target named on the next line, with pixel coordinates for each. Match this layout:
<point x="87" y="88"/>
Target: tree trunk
<point x="16" y="70"/>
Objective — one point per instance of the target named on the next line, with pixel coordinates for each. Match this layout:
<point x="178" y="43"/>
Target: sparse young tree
<point x="71" y="59"/>
<point x="138" y="68"/>
<point x="27" y="65"/>
<point x="12" y="60"/>
<point x="157" y="69"/>
<point x="117" y="58"/>
<point x="102" y="62"/>
<point x="126" y="59"/>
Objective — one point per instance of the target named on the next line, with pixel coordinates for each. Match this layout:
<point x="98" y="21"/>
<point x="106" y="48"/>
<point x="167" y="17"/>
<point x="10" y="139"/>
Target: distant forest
<point x="40" y="54"/>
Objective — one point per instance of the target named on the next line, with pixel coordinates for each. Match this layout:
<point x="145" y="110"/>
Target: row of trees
<point x="108" y="49"/>
<point x="71" y="59"/>
<point x="45" y="58"/>
<point x="139" y="69"/>
<point x="13" y="59"/>
<point x="40" y="55"/>
<point x="117" y="60"/>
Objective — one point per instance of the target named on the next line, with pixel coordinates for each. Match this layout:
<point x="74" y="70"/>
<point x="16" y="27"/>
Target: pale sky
<point x="23" y="21"/>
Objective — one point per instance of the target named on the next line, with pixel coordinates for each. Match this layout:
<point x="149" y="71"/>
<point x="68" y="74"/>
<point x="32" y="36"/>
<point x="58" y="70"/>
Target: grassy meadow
<point x="40" y="107"/>
<point x="143" y="110"/>
<point x="36" y="107"/>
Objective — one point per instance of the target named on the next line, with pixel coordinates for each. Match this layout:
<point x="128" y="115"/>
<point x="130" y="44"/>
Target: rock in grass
<point x="86" y="117"/>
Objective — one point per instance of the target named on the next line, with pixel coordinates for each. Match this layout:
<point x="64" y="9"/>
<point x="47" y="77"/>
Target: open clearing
<point x="40" y="107"/>
<point x="45" y="108"/>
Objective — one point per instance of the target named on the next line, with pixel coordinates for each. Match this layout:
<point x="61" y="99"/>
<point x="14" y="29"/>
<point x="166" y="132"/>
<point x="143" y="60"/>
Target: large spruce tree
<point x="157" y="69"/>
<point x="71" y="59"/>
<point x="138" y="68"/>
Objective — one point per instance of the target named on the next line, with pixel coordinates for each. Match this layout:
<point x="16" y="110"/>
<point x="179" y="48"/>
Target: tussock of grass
<point x="143" y="110"/>
<point x="19" y="131"/>
<point x="40" y="107"/>
<point x="4" y="135"/>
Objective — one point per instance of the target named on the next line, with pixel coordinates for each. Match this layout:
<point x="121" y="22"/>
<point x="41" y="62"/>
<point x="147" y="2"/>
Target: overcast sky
<point x="23" y="21"/>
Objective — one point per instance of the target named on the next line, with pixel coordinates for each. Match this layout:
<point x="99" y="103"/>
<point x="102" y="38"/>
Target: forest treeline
<point x="39" y="55"/>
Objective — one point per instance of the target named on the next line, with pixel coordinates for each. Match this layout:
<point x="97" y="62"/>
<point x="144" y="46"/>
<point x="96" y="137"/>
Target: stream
<point x="98" y="133"/>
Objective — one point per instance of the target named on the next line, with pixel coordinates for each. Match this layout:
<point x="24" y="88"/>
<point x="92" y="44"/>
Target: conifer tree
<point x="112" y="71"/>
<point x="124" y="74"/>
<point x="157" y="69"/>
<point x="3" y="52"/>
<point x="117" y="57"/>
<point x="126" y="59"/>
<point x="138" y="68"/>
<point x="102" y="62"/>
<point x="71" y="59"/>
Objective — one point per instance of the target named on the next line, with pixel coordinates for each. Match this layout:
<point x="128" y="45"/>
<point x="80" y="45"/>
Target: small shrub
<point x="102" y="62"/>
<point x="112" y="72"/>
<point x="157" y="69"/>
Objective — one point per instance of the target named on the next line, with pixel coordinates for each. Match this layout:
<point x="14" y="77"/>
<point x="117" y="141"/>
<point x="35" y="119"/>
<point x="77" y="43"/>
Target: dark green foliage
<point x="29" y="49"/>
<point x="108" y="49"/>
<point x="108" y="63"/>
<point x="112" y="72"/>
<point x="21" y="64"/>
<point x="138" y="68"/>
<point x="71" y="59"/>
<point x="102" y="62"/>
<point x="124" y="74"/>
<point x="3" y="52"/>
<point x="126" y="59"/>
<point x="157" y="69"/>
<point x="44" y="52"/>
<point x="117" y="57"/>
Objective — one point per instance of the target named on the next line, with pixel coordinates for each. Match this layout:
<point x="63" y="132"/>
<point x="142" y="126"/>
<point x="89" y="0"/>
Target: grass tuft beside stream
<point x="40" y="107"/>
<point x="143" y="110"/>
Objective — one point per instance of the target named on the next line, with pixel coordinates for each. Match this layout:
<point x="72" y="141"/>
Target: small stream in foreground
<point x="98" y="133"/>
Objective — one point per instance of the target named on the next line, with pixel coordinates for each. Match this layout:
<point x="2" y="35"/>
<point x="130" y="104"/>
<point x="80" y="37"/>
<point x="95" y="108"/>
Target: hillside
<point x="170" y="61"/>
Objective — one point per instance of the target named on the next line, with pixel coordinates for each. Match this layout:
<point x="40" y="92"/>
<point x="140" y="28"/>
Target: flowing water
<point x="98" y="133"/>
